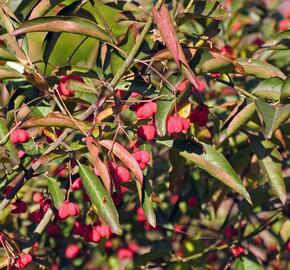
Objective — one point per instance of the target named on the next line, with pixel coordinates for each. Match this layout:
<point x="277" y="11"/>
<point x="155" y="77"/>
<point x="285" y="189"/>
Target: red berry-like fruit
<point x="230" y="232"/>
<point x="72" y="251"/>
<point x="200" y="115"/>
<point x="38" y="197"/>
<point x="104" y="230"/>
<point x="92" y="235"/>
<point x="144" y="110"/>
<point x="23" y="261"/>
<point x="63" y="89"/>
<point x="237" y="251"/>
<point x="19" y="136"/>
<point x="53" y="229"/>
<point x="284" y="24"/>
<point x="147" y="132"/>
<point x="80" y="228"/>
<point x="140" y="215"/>
<point x="19" y="207"/>
<point x="182" y="86"/>
<point x="68" y="209"/>
<point x="120" y="174"/>
<point x="124" y="253"/>
<point x="142" y="157"/>
<point x="77" y="184"/>
<point x="135" y="94"/>
<point x="192" y="201"/>
<point x="36" y="216"/>
<point x="177" y="124"/>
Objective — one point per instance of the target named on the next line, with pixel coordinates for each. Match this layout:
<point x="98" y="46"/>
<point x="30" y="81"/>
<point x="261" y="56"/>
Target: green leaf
<point x="8" y="73"/>
<point x="260" y="69"/>
<point x="245" y="263"/>
<point x="6" y="55"/>
<point x="51" y="39"/>
<point x="281" y="40"/>
<point x="270" y="161"/>
<point x="285" y="89"/>
<point x="100" y="198"/>
<point x="99" y="164"/>
<point x="269" y="88"/>
<point x="217" y="65"/>
<point x="207" y="158"/>
<point x="239" y="119"/>
<point x="9" y="147"/>
<point x="43" y="7"/>
<point x="57" y="194"/>
<point x="68" y="24"/>
<point x="117" y="59"/>
<point x="272" y="116"/>
<point x="165" y="105"/>
<point x="55" y="120"/>
<point x="146" y="200"/>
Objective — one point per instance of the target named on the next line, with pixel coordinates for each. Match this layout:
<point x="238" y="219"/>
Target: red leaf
<point x="125" y="157"/>
<point x="98" y="163"/>
<point x="165" y="26"/>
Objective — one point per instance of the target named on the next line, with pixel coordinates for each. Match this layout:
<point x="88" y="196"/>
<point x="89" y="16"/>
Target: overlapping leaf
<point x="102" y="202"/>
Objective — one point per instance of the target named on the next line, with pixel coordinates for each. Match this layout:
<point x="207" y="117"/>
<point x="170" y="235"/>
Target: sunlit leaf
<point x="119" y="151"/>
<point x="75" y="25"/>
<point x="100" y="198"/>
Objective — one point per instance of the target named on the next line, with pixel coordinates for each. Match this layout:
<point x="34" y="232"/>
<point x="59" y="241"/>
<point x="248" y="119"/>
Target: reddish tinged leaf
<point x="98" y="163"/>
<point x="165" y="26"/>
<point x="55" y="120"/>
<point x="125" y="157"/>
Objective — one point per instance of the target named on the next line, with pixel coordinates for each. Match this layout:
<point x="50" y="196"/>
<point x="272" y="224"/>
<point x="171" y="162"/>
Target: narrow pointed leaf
<point x="55" y="120"/>
<point x="212" y="161"/>
<point x="100" y="198"/>
<point x="6" y="55"/>
<point x="55" y="191"/>
<point x="117" y="60"/>
<point x="43" y="7"/>
<point x="285" y="89"/>
<point x="146" y="199"/>
<point x="260" y="69"/>
<point x="165" y="25"/>
<point x="121" y="153"/>
<point x="269" y="88"/>
<point x="9" y="149"/>
<point x="98" y="163"/>
<point x="272" y="116"/>
<point x="165" y="105"/>
<point x="271" y="163"/>
<point x="9" y="73"/>
<point x="68" y="24"/>
<point x="241" y="118"/>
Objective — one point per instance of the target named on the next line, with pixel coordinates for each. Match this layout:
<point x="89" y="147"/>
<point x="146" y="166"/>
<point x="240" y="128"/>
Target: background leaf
<point x="207" y="158"/>
<point x="269" y="88"/>
<point x="57" y="194"/>
<point x="270" y="162"/>
<point x="272" y="116"/>
<point x="260" y="69"/>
